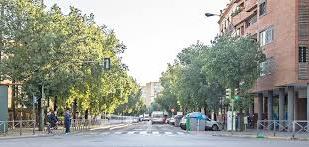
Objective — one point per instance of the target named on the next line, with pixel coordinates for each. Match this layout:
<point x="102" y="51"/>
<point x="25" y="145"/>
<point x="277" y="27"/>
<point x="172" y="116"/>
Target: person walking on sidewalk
<point x="67" y="121"/>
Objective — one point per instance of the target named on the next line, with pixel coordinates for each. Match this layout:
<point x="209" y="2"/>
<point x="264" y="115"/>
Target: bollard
<point x="274" y="126"/>
<point x="20" y="128"/>
<point x="293" y="136"/>
<point x="33" y="128"/>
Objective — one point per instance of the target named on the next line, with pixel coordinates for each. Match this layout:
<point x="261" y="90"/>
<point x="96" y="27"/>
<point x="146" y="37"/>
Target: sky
<point x="154" y="31"/>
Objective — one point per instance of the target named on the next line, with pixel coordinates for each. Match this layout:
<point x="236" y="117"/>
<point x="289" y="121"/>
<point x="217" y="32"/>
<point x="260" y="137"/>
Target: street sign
<point x="245" y="120"/>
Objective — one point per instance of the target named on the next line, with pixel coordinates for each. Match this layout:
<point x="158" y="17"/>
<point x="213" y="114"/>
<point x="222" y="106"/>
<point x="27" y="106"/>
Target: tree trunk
<point x="13" y="101"/>
<point x="74" y="108"/>
<point x="86" y="114"/>
<point x="39" y="112"/>
<point x="55" y="103"/>
<point x="215" y="116"/>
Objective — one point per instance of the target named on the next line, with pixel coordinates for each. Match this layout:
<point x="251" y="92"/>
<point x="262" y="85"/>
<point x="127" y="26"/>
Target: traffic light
<point x="106" y="63"/>
<point x="228" y="93"/>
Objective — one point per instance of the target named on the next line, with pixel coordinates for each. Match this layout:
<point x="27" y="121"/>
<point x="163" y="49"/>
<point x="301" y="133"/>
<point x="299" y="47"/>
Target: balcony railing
<point x="250" y="5"/>
<point x="303" y="71"/>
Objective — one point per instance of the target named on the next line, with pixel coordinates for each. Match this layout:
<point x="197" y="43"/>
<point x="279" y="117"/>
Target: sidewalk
<point x="28" y="133"/>
<point x="262" y="134"/>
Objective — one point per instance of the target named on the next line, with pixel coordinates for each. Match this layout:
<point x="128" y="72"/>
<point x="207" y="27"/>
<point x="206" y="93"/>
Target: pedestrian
<point x="52" y="120"/>
<point x="67" y="121"/>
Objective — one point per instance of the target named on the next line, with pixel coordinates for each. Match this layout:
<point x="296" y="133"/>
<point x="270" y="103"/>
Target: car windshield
<point x="157" y="116"/>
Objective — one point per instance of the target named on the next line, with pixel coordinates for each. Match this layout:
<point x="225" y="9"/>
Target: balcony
<point x="250" y="5"/>
<point x="240" y="17"/>
<point x="303" y="71"/>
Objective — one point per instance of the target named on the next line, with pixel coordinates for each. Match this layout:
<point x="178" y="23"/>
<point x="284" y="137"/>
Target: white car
<point x="209" y="124"/>
<point x="212" y="125"/>
<point x="157" y="117"/>
<point x="182" y="123"/>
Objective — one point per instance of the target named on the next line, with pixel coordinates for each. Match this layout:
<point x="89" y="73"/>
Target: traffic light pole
<point x="232" y="115"/>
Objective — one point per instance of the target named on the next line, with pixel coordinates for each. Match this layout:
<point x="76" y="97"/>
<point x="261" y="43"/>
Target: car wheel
<point x="215" y="128"/>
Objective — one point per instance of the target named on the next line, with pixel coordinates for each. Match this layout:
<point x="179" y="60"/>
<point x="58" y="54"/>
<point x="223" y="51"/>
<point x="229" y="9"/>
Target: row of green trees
<point x="201" y="74"/>
<point x="62" y="54"/>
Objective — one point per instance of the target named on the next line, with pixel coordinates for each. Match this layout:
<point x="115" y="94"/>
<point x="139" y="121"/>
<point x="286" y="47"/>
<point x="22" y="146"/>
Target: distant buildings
<point x="151" y="91"/>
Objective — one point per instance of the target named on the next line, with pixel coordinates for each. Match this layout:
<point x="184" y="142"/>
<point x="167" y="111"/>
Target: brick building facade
<point x="282" y="29"/>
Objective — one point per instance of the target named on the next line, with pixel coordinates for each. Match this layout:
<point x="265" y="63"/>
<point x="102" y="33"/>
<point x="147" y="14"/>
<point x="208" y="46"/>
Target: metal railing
<point x="17" y="127"/>
<point x="297" y="128"/>
<point x="30" y="127"/>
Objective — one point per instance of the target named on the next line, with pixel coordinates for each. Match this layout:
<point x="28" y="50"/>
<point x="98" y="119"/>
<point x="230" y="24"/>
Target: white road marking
<point x="155" y="133"/>
<point x="131" y="132"/>
<point x="180" y="133"/>
<point x="143" y="132"/>
<point x="168" y="133"/>
<point x="118" y="133"/>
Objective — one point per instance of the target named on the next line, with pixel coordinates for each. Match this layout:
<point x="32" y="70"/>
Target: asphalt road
<point x="146" y="135"/>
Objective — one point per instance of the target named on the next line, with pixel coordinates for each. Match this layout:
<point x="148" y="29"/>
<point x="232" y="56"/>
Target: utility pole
<point x="1" y="41"/>
<point x="42" y="107"/>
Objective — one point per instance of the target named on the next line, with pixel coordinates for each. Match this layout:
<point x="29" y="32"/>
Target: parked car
<point x="182" y="123"/>
<point x="177" y="120"/>
<point x="172" y="121"/>
<point x="209" y="124"/>
<point x="212" y="125"/>
<point x="168" y="120"/>
<point x="157" y="117"/>
<point x="146" y="117"/>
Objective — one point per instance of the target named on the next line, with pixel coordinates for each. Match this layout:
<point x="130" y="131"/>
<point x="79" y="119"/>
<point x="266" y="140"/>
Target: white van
<point x="157" y="117"/>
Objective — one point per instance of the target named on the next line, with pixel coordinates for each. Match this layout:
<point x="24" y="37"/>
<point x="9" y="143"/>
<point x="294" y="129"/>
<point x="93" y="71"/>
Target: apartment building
<point x="282" y="29"/>
<point x="150" y="91"/>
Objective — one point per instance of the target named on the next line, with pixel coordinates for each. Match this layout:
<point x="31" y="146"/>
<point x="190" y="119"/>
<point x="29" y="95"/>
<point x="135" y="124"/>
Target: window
<point x="266" y="67"/>
<point x="266" y="36"/>
<point x="302" y="54"/>
<point x="251" y="20"/>
<point x="262" y="7"/>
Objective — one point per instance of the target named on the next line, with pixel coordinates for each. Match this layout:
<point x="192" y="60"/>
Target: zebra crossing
<point x="168" y="133"/>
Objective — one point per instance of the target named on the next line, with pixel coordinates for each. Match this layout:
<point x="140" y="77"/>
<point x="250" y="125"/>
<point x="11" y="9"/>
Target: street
<point x="145" y="135"/>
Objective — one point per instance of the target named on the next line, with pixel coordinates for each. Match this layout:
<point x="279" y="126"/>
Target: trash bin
<point x="197" y="124"/>
<point x="196" y="121"/>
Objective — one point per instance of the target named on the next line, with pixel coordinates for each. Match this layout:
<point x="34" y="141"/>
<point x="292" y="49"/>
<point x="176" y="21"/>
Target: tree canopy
<point x="201" y="74"/>
<point x="63" y="53"/>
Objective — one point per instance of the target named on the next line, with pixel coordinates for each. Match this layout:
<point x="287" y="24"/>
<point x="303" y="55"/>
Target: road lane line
<point x="118" y="133"/>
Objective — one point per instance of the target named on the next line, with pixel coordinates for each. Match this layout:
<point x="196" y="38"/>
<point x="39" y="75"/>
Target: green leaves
<point x="64" y="53"/>
<point x="201" y="74"/>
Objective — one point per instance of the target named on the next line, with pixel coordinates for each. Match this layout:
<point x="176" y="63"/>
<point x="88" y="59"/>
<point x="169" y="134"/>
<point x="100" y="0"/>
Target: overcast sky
<point x="153" y="30"/>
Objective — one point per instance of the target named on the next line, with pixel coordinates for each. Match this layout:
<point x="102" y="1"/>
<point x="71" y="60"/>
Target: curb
<point x="27" y="136"/>
<point x="265" y="137"/>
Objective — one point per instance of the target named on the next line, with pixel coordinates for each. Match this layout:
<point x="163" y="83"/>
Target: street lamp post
<point x="230" y="23"/>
